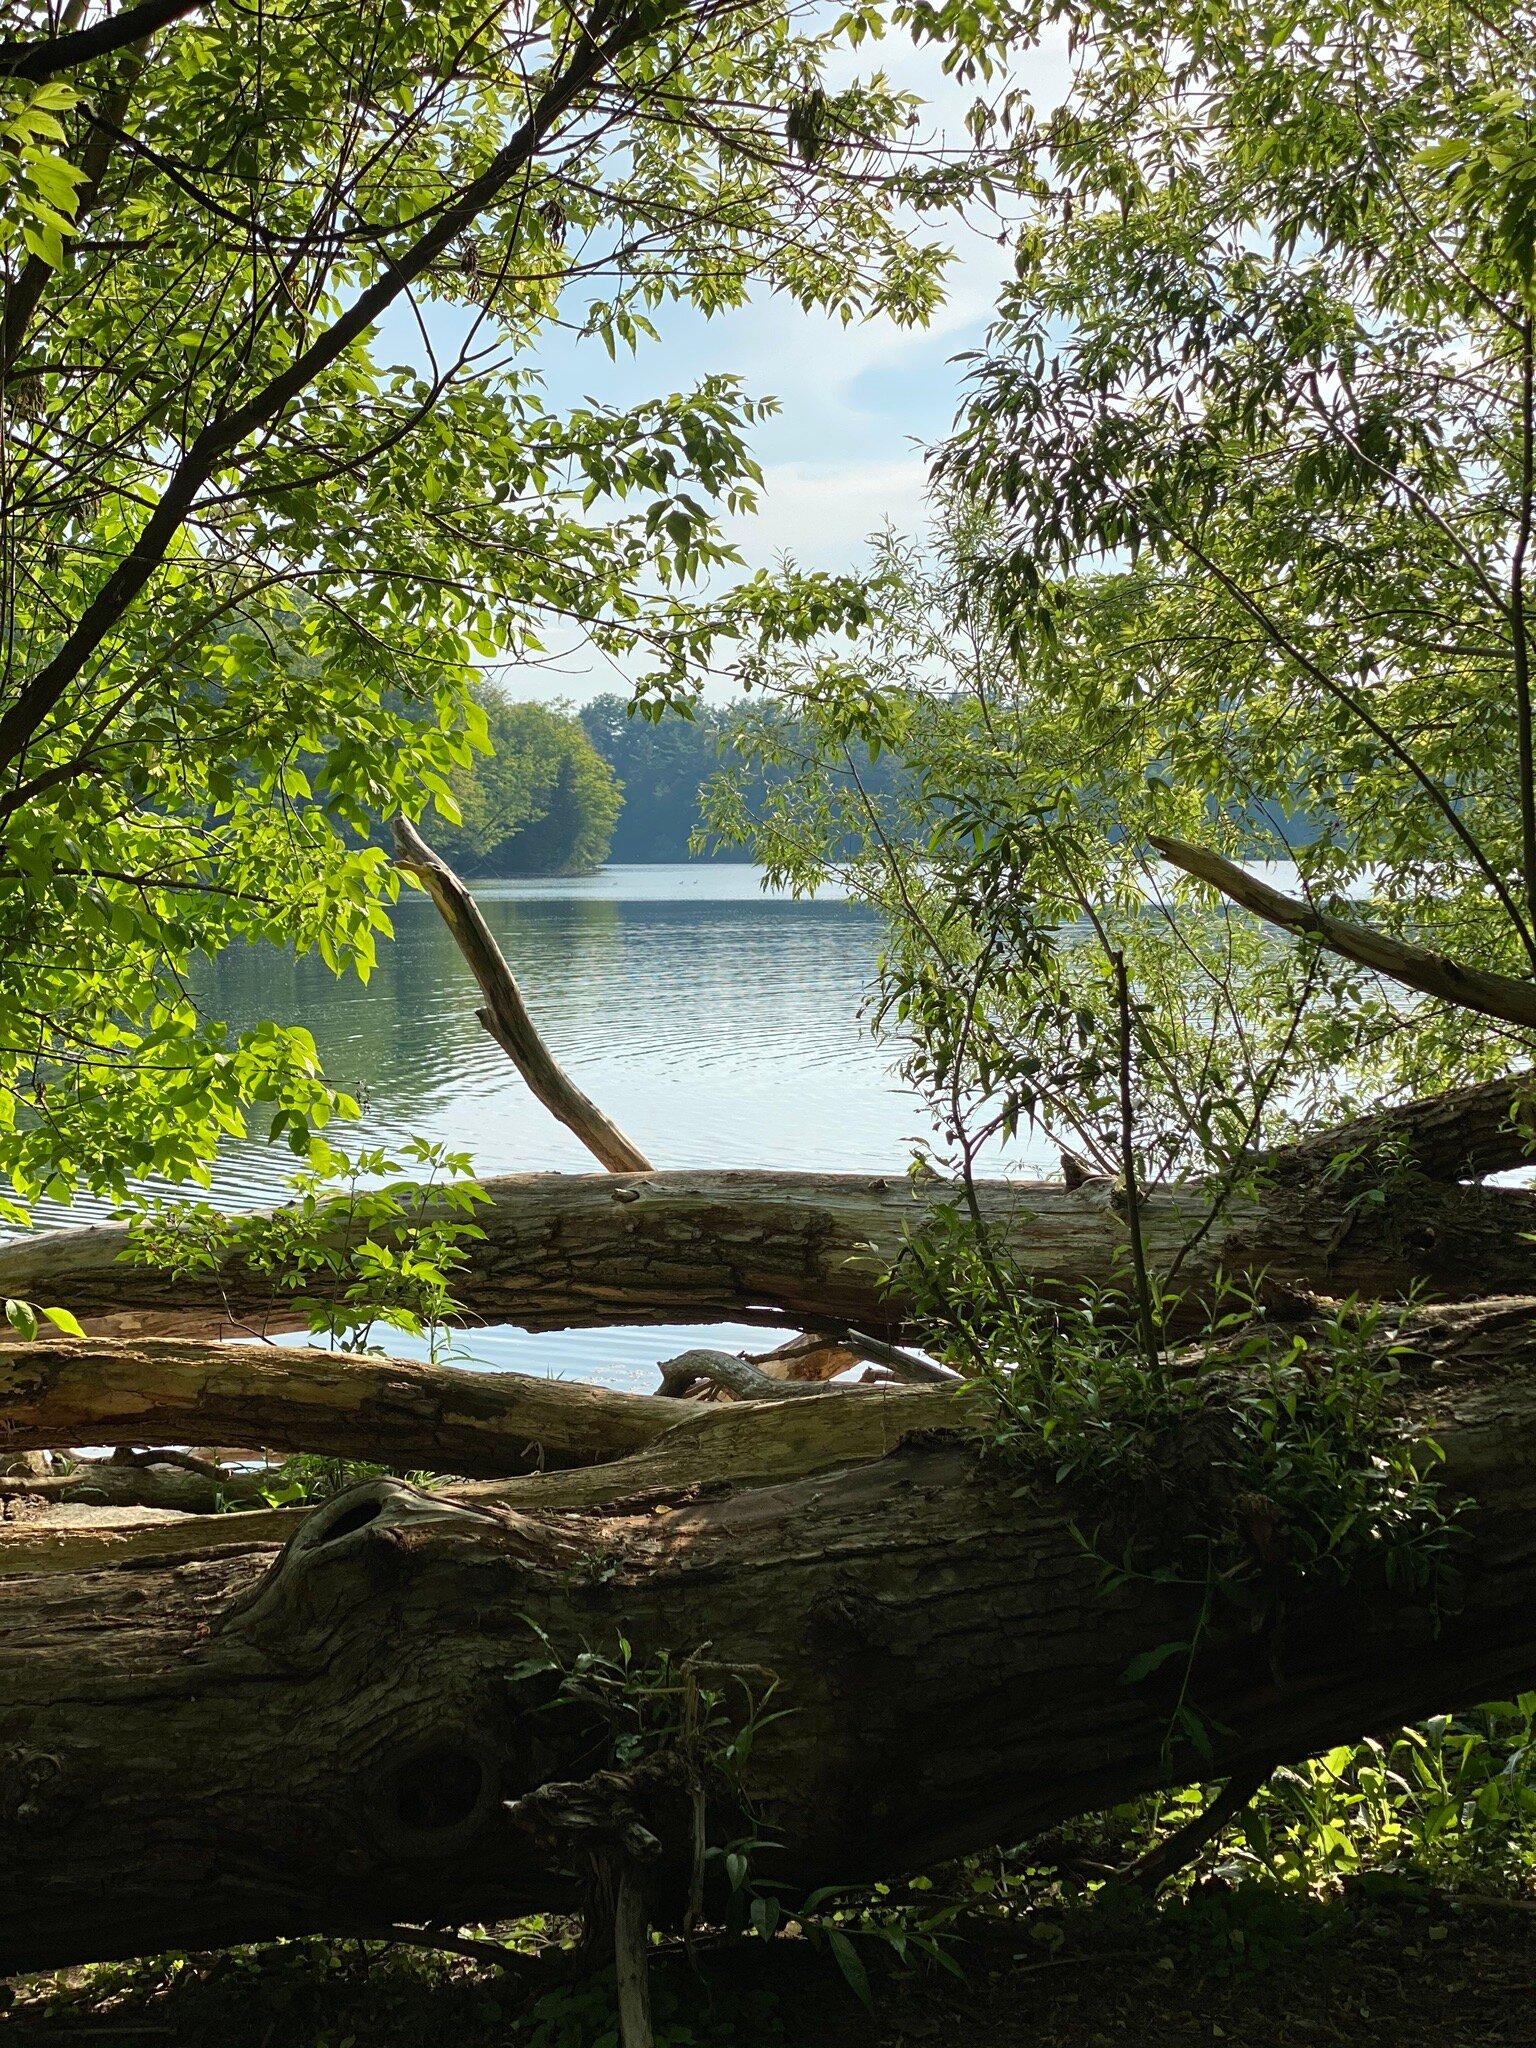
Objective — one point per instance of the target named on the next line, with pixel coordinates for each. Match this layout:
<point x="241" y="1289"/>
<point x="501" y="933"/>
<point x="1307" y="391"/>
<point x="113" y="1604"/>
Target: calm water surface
<point x="719" y="1025"/>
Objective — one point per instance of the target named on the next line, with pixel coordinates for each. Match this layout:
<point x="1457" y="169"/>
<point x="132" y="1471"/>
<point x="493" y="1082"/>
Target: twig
<point x="492" y="1952"/>
<point x="1166" y="1858"/>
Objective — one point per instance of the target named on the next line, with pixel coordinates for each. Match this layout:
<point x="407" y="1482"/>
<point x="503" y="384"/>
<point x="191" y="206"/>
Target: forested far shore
<point x="563" y="789"/>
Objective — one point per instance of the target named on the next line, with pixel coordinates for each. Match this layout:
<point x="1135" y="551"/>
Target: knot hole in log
<point x="348" y="1547"/>
<point x="437" y="1798"/>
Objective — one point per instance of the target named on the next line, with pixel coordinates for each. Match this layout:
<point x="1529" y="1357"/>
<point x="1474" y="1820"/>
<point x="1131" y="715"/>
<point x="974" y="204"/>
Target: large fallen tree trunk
<point x="371" y="1726"/>
<point x="814" y="1250"/>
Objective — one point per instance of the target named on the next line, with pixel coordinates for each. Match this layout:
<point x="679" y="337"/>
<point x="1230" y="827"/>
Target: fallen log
<point x="103" y="1482"/>
<point x="377" y="1724"/>
<point x="387" y="1411"/>
<point x="813" y="1250"/>
<point x="393" y="1411"/>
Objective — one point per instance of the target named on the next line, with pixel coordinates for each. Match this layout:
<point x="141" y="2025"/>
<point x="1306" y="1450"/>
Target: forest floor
<point x="1419" y="1970"/>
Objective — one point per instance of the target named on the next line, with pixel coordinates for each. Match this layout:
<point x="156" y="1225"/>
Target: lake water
<point x="718" y="1025"/>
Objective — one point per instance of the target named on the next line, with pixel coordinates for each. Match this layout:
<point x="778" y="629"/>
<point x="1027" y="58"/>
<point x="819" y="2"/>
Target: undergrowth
<point x="1267" y="1445"/>
<point x="1370" y="1851"/>
<point x="1267" y="1455"/>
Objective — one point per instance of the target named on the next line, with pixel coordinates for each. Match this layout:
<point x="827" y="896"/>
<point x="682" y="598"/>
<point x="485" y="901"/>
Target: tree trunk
<point x="362" y="1729"/>
<point x="567" y="1251"/>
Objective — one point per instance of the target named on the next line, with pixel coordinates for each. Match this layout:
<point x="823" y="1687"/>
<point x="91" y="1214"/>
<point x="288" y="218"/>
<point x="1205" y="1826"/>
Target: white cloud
<point x="823" y="513"/>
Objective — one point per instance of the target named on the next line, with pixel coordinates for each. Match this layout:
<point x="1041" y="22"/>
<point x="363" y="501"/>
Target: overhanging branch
<point x="1511" y="1000"/>
<point x="44" y="59"/>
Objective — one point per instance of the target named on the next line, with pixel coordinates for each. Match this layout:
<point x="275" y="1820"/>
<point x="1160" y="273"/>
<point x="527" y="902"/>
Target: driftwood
<point x="229" y="1742"/>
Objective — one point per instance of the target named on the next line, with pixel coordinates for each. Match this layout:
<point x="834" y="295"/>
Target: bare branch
<point x="1504" y="996"/>
<point x="505" y="1015"/>
<point x="738" y="1376"/>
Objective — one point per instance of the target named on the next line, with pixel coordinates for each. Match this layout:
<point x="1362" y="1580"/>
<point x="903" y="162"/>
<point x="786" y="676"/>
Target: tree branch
<point x="505" y="1015"/>
<point x="102" y="1482"/>
<point x="1504" y="996"/>
<point x="818" y="1251"/>
<point x="223" y="434"/>
<point x="390" y="1411"/>
<point x="38" y="61"/>
<point x="738" y="1376"/>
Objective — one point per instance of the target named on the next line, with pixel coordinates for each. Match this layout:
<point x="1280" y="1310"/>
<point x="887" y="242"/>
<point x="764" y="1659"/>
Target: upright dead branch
<point x="505" y="1015"/>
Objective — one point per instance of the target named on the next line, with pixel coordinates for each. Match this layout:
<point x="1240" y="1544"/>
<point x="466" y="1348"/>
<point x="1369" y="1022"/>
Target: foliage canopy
<point x="1235" y="528"/>
<point x="263" y="526"/>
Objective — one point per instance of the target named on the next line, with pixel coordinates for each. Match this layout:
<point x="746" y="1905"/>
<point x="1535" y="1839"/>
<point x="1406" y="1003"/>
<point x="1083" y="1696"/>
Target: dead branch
<point x="505" y="1015"/>
<point x="1434" y="974"/>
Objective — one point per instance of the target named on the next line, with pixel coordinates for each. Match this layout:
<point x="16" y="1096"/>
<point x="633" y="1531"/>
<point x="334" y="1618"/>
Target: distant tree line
<point x="543" y="801"/>
<point x="562" y="791"/>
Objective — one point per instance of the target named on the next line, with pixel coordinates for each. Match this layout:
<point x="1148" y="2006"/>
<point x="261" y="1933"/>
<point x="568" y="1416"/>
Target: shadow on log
<point x="227" y="1745"/>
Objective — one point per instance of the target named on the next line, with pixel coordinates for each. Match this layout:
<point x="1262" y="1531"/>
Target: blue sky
<point x="843" y="457"/>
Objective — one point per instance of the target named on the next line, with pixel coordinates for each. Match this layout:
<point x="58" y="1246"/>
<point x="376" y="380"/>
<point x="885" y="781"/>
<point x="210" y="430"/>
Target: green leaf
<point x="1148" y="1661"/>
<point x="22" y="1318"/>
<point x="851" y="1963"/>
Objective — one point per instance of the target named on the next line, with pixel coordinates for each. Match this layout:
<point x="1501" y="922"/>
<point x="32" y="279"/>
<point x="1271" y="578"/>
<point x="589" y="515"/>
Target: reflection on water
<point x="717" y="1025"/>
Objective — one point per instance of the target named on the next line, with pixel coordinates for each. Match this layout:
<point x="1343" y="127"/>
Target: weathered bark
<point x="1461" y="1134"/>
<point x="604" y="1445"/>
<point x="229" y="1745"/>
<point x="564" y="1251"/>
<point x="387" y="1411"/>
